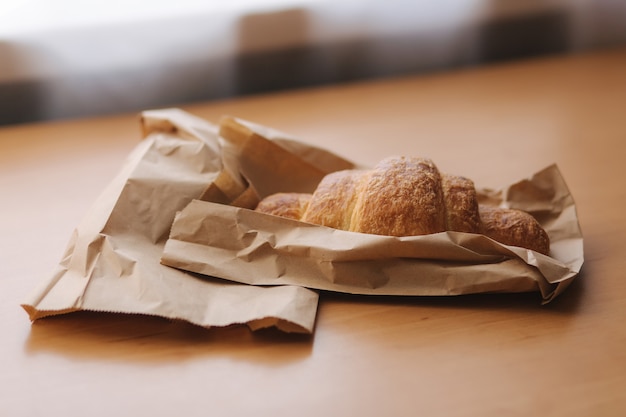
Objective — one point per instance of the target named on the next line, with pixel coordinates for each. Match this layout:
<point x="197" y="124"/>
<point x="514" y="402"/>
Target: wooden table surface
<point x="483" y="355"/>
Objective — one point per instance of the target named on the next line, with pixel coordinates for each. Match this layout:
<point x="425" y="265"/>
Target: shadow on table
<point x="146" y="339"/>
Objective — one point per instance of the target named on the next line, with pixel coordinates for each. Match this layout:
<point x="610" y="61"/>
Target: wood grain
<point x="487" y="355"/>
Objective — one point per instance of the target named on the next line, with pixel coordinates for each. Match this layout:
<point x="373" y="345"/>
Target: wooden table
<point x="481" y="355"/>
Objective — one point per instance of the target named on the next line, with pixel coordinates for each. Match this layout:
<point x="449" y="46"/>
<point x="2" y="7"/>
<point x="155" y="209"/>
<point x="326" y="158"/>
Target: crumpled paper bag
<point x="244" y="246"/>
<point x="112" y="262"/>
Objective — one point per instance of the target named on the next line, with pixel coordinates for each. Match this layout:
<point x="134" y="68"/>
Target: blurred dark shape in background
<point x="174" y="60"/>
<point x="520" y="37"/>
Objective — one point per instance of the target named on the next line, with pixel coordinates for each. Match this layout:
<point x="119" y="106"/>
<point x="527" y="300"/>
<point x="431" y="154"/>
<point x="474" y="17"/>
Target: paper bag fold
<point x="244" y="246"/>
<point x="111" y="263"/>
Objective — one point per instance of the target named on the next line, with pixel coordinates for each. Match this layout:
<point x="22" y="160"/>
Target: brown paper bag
<point x="244" y="246"/>
<point x="112" y="263"/>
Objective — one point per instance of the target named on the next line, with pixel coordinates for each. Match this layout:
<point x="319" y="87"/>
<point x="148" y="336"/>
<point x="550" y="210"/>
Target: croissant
<point x="288" y="205"/>
<point x="406" y="196"/>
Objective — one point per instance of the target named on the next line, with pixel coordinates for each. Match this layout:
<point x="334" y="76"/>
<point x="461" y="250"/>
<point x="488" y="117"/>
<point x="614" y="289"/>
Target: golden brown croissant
<point x="333" y="201"/>
<point x="404" y="196"/>
<point x="289" y="205"/>
<point x="514" y="227"/>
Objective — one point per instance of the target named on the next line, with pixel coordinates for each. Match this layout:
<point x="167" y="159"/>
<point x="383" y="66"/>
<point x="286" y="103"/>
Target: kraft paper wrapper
<point x="112" y="262"/>
<point x="244" y="246"/>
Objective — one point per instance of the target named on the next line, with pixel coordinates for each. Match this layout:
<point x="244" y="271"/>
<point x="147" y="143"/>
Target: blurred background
<point x="71" y="58"/>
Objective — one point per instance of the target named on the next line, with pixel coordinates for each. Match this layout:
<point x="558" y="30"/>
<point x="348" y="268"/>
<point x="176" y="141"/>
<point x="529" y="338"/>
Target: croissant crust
<point x="406" y="196"/>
